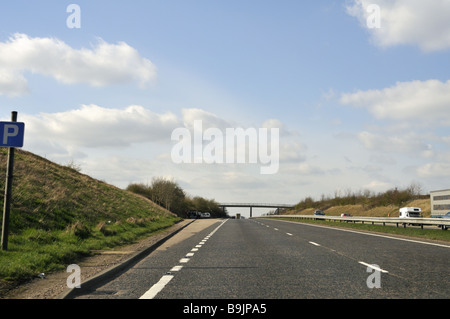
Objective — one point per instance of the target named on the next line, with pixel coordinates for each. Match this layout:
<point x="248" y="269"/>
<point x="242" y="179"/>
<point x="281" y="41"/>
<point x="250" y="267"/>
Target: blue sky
<point x="358" y="108"/>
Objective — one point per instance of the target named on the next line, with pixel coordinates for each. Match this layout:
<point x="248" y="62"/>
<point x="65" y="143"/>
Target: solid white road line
<point x="370" y="234"/>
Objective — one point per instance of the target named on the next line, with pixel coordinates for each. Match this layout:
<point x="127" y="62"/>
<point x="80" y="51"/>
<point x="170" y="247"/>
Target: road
<point x="269" y="259"/>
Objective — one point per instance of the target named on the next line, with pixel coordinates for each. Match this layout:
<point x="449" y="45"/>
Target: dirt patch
<point x="191" y="230"/>
<point x="51" y="286"/>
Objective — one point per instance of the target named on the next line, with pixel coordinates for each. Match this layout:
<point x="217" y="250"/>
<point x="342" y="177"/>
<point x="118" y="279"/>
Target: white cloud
<point x="378" y="186"/>
<point x="407" y="144"/>
<point x="417" y="22"/>
<point x="308" y="169"/>
<point x="133" y="144"/>
<point x="446" y="139"/>
<point x="103" y="65"/>
<point x="434" y="170"/>
<point x="209" y="120"/>
<point x="95" y="126"/>
<point x="92" y="128"/>
<point x="12" y="83"/>
<point x="292" y="151"/>
<point x="424" y="102"/>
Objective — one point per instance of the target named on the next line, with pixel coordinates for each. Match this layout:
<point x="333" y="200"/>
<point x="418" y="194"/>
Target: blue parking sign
<point x="12" y="134"/>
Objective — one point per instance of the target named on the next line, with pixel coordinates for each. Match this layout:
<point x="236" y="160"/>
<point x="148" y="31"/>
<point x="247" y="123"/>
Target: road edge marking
<point x="369" y="234"/>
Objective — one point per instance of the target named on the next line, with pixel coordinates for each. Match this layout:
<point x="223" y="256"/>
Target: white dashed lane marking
<point x="156" y="288"/>
<point x="372" y="266"/>
<point x="375" y="267"/>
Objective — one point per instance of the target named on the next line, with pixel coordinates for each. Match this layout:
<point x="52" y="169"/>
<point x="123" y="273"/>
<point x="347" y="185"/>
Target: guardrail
<point x="439" y="222"/>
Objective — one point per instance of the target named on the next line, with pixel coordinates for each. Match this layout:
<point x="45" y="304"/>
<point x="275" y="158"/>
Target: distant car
<point x="445" y="216"/>
<point x="445" y="227"/>
<point x="319" y="213"/>
<point x="346" y="215"/>
<point x="193" y="215"/>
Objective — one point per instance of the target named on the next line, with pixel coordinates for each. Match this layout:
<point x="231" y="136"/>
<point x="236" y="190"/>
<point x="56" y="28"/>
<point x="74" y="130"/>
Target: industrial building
<point x="440" y="202"/>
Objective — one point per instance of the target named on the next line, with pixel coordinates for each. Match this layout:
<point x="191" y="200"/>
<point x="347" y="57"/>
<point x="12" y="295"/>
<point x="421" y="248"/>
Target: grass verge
<point x="59" y="216"/>
<point x="37" y="251"/>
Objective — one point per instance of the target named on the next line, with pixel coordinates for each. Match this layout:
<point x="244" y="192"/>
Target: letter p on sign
<point x="11" y="134"/>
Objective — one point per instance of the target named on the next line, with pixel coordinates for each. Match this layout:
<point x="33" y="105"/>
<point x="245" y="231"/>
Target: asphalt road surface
<point x="268" y="259"/>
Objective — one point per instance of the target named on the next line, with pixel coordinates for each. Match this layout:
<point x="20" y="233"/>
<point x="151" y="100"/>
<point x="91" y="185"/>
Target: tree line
<point x="168" y="194"/>
<point x="366" y="198"/>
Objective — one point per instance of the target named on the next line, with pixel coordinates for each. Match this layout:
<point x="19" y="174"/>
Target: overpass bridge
<point x="255" y="205"/>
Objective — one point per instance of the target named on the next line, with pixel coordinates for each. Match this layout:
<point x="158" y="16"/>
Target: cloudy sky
<point x="359" y="90"/>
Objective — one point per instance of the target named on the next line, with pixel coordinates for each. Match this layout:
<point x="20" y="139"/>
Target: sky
<point x="358" y="91"/>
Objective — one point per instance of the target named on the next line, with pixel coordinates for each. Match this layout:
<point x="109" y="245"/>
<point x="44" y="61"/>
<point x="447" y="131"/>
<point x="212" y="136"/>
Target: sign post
<point x="11" y="136"/>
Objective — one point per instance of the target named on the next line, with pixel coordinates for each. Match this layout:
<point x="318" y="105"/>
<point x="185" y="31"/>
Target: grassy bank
<point x="361" y="210"/>
<point x="429" y="234"/>
<point x="59" y="216"/>
<point x="366" y="203"/>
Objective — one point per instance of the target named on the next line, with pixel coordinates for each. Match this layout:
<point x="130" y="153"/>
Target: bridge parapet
<point x="264" y="205"/>
<point x="255" y="205"/>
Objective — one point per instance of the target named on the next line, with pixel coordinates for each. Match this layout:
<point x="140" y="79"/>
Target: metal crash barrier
<point x="438" y="222"/>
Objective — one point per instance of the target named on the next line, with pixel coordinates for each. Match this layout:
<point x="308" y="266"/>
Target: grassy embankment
<point x="59" y="216"/>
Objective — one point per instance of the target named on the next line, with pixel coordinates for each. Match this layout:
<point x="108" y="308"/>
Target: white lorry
<point x="410" y="212"/>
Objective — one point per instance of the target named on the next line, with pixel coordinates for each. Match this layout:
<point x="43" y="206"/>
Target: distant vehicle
<point x="446" y="216"/>
<point x="193" y="214"/>
<point x="410" y="212"/>
<point x="319" y="213"/>
<point x="346" y="215"/>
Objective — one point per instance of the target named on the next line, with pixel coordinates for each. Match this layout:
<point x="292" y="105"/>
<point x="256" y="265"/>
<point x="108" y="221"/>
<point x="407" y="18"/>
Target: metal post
<point x="8" y="188"/>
